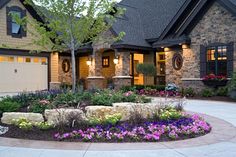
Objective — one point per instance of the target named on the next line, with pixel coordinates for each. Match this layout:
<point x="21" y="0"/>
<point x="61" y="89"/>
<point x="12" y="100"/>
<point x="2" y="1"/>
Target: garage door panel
<point x="18" y="77"/>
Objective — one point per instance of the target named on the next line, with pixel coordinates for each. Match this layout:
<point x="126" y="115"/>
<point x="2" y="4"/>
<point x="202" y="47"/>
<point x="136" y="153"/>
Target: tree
<point x="70" y="24"/>
<point x="146" y="70"/>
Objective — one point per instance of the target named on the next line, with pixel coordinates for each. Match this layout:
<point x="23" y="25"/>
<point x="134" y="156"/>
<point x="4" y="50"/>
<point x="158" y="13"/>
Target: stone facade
<point x="172" y="75"/>
<point x="218" y="25"/>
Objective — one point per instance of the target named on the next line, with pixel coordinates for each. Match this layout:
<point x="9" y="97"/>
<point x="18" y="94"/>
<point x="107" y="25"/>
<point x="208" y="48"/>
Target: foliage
<point x="189" y="126"/>
<point x="169" y="113"/>
<point x="43" y="125"/>
<point x="189" y="92"/>
<point x="214" y="77"/>
<point x="146" y="69"/>
<point x="72" y="24"/>
<point x="40" y="106"/>
<point x="207" y="92"/>
<point x="106" y="120"/>
<point x="23" y="123"/>
<point x="9" y="105"/>
<point x="222" y="91"/>
<point x="232" y="84"/>
<point x="108" y="97"/>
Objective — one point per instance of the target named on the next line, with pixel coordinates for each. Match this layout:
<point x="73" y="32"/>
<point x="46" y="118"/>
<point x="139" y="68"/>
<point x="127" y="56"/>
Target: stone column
<point x="95" y="79"/>
<point x="122" y="70"/>
<point x="54" y="71"/>
<point x="172" y="75"/>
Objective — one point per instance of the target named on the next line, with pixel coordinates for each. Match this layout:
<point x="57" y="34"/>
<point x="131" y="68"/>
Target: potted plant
<point x="215" y="81"/>
<point x="232" y="87"/>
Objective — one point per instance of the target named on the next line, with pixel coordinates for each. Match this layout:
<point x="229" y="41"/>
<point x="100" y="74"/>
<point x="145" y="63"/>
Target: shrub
<point x="207" y="92"/>
<point x="9" y="105"/>
<point x="232" y="87"/>
<point x="189" y="92"/>
<point x="23" y="123"/>
<point x="222" y="91"/>
<point x="169" y="113"/>
<point x="43" y="125"/>
<point x="40" y="106"/>
<point x="108" y="119"/>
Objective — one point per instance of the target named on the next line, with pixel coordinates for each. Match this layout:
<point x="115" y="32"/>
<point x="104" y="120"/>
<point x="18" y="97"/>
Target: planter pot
<point x="232" y="94"/>
<point x="215" y="83"/>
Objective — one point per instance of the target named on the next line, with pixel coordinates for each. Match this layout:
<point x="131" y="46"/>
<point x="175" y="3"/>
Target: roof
<point x="3" y="3"/>
<point x="145" y="19"/>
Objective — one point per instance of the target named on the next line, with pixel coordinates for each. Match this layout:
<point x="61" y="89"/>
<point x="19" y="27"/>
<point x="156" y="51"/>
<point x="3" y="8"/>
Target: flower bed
<point x="185" y="127"/>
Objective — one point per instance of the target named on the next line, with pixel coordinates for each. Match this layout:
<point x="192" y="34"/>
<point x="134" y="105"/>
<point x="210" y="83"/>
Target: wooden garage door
<point x="23" y="73"/>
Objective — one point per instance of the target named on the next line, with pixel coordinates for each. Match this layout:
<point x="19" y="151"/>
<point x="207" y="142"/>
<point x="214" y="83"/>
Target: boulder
<point x="99" y="111"/>
<point x="127" y="109"/>
<point x="63" y="116"/>
<point x="8" y="117"/>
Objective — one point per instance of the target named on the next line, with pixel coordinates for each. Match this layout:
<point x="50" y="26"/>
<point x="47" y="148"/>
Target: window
<point x="36" y="60"/>
<point x="105" y="62"/>
<point x="20" y="59"/>
<point x="13" y="28"/>
<point x="44" y="61"/>
<point x="10" y="59"/>
<point x="217" y="60"/>
<point x="3" y="59"/>
<point x="27" y="60"/>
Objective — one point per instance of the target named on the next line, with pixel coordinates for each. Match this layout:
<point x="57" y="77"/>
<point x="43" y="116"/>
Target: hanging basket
<point x="215" y="83"/>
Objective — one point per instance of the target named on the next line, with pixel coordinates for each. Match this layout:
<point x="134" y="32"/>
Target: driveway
<point x="222" y="148"/>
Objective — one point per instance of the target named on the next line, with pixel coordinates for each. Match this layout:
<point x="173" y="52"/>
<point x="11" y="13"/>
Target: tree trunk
<point x="73" y="70"/>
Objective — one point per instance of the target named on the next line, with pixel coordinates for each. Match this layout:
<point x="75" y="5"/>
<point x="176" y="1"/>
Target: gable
<point x="218" y="25"/>
<point x="17" y="43"/>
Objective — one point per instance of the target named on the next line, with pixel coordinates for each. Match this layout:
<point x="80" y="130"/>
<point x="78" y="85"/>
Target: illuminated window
<point x="44" y="61"/>
<point x="27" y="60"/>
<point x="105" y="62"/>
<point x="20" y="59"/>
<point x="36" y="60"/>
<point x="10" y="59"/>
<point x="217" y="60"/>
<point x="3" y="59"/>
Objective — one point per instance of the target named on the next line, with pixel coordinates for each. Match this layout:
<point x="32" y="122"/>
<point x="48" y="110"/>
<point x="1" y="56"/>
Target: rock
<point x="3" y="130"/>
<point x="31" y="117"/>
<point x="125" y="109"/>
<point x="99" y="111"/>
<point x="63" y="116"/>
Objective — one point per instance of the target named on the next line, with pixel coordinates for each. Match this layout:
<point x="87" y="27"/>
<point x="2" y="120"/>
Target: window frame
<point x="216" y="60"/>
<point x="10" y="21"/>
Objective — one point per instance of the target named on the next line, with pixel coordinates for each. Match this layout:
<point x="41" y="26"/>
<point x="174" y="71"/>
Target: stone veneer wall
<point x="218" y="25"/>
<point x="65" y="77"/>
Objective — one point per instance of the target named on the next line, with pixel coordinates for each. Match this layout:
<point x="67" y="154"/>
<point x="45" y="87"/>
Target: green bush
<point x="43" y="125"/>
<point x="106" y="120"/>
<point x="189" y="92"/>
<point x="169" y="113"/>
<point x="102" y="98"/>
<point x="39" y="106"/>
<point x="207" y="92"/>
<point x="23" y="124"/>
<point x="140" y="87"/>
<point x="222" y="91"/>
<point x="8" y="105"/>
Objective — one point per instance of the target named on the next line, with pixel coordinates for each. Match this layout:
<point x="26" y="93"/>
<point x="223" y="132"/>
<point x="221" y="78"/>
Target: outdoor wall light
<point x="89" y="61"/>
<point x="116" y="59"/>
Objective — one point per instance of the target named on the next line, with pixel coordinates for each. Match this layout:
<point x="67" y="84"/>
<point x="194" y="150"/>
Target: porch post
<point x="54" y="71"/>
<point x="122" y="70"/>
<point x="95" y="78"/>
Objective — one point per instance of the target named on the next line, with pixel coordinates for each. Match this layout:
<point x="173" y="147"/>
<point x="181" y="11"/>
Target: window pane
<point x="20" y="59"/>
<point x="44" y="61"/>
<point x="27" y="60"/>
<point x="222" y="67"/>
<point x="15" y="28"/>
<point x="36" y="60"/>
<point x="10" y="59"/>
<point x="222" y="53"/>
<point x="211" y="54"/>
<point x="211" y="67"/>
<point x="3" y="59"/>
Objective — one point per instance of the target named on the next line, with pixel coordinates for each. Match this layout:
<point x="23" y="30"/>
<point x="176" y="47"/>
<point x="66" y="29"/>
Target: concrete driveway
<point x="224" y="147"/>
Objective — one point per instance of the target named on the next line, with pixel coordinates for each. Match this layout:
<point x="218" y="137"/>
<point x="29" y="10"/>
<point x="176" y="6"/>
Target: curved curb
<point x="215" y="136"/>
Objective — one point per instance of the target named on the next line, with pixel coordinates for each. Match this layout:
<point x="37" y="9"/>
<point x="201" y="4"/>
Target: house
<point x="184" y="39"/>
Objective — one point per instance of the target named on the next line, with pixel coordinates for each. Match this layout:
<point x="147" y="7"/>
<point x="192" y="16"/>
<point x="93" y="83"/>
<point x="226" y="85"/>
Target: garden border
<point x="215" y="136"/>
